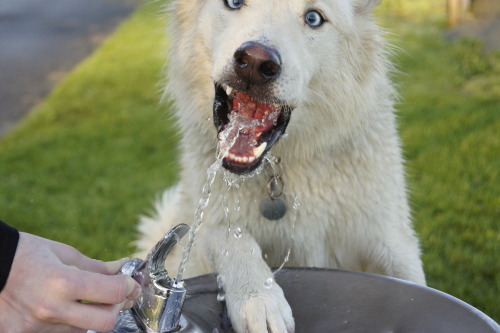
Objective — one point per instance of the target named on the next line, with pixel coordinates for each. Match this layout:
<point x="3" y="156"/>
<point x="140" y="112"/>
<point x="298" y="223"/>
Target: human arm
<point x="9" y="237"/>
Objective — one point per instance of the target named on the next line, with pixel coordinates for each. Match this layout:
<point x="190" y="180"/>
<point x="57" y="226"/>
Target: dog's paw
<point x="261" y="311"/>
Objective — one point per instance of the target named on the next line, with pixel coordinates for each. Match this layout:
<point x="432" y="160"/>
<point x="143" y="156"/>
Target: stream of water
<point x="227" y="138"/>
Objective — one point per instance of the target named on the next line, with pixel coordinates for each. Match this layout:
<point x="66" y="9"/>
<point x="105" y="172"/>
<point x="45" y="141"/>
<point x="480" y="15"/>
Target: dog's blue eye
<point x="233" y="4"/>
<point x="314" y="19"/>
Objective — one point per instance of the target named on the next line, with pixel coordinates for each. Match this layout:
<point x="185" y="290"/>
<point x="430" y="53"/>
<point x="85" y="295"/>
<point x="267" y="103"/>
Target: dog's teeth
<point x="229" y="90"/>
<point x="247" y="159"/>
<point x="259" y="150"/>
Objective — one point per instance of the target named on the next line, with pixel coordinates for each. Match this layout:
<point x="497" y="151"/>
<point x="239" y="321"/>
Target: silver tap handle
<point x="155" y="260"/>
<point x="158" y="309"/>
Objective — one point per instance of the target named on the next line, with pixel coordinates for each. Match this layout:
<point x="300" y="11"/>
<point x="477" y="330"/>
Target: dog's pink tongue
<point x="253" y="117"/>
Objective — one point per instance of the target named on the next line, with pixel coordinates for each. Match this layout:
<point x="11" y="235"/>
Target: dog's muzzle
<point x="249" y="119"/>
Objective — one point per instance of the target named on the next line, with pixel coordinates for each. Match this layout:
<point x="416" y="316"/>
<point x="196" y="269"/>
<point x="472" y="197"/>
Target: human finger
<point x="71" y="256"/>
<point x="61" y="329"/>
<point x="97" y="317"/>
<point x="114" y="266"/>
<point x="127" y="304"/>
<point x="102" y="267"/>
<point x="106" y="289"/>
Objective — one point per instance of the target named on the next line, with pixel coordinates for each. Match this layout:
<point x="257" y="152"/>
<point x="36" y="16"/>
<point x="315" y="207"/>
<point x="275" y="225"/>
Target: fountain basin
<point x="325" y="300"/>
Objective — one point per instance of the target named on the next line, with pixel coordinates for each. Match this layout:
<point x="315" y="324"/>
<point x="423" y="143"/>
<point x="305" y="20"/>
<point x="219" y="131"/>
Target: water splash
<point x="227" y="138"/>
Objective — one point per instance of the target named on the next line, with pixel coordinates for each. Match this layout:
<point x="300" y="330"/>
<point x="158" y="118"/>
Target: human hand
<point x="48" y="282"/>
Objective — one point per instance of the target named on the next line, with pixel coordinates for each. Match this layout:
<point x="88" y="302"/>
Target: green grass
<point x="450" y="126"/>
<point x="414" y="9"/>
<point x="94" y="155"/>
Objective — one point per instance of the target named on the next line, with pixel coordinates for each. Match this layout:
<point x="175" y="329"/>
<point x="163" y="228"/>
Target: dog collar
<point x="273" y="207"/>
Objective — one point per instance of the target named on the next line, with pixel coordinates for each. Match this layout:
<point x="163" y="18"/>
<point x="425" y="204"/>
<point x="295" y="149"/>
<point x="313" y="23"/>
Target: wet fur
<point x="341" y="156"/>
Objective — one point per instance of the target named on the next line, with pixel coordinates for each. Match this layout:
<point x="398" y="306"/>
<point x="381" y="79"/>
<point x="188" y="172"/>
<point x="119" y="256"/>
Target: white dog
<point x="241" y="74"/>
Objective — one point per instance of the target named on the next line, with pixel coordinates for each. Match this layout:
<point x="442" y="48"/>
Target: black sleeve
<point x="9" y="237"/>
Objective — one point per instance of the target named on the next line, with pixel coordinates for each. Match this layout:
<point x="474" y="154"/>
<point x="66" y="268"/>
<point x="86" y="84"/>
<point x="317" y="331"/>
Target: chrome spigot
<point x="158" y="309"/>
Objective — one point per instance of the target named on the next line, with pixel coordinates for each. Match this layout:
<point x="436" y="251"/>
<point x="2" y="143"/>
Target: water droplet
<point x="220" y="281"/>
<point x="296" y="203"/>
<point x="209" y="118"/>
<point x="225" y="252"/>
<point x="221" y="296"/>
<point x="269" y="283"/>
<point x="237" y="233"/>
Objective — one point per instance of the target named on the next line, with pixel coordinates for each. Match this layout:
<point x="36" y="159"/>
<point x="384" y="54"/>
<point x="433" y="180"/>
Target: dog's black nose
<point x="256" y="63"/>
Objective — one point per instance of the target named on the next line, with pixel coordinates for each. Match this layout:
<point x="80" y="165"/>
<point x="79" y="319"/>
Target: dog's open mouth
<point x="247" y="128"/>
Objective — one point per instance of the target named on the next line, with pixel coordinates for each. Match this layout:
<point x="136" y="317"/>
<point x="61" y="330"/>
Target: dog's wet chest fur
<point x="296" y="230"/>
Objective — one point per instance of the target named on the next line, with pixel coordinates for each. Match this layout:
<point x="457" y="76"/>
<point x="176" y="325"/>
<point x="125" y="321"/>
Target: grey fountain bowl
<point x="325" y="300"/>
<point x="341" y="301"/>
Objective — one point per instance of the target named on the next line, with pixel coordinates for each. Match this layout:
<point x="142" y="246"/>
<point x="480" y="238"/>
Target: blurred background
<point x="41" y="41"/>
<point x="86" y="146"/>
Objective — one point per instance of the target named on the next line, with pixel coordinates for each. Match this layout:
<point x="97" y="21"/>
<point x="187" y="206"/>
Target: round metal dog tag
<point x="273" y="209"/>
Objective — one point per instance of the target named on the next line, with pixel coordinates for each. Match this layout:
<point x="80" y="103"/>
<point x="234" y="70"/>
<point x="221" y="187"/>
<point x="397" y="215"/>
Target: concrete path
<point x="42" y="40"/>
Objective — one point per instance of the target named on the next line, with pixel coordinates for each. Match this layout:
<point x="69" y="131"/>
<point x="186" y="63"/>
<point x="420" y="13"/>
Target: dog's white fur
<point x="341" y="156"/>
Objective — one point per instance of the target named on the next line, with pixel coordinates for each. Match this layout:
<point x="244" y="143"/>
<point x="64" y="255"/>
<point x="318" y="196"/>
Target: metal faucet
<point x="158" y="309"/>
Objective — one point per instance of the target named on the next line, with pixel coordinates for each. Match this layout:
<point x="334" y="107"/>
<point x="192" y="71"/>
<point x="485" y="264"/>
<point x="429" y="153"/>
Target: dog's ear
<point x="365" y="6"/>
